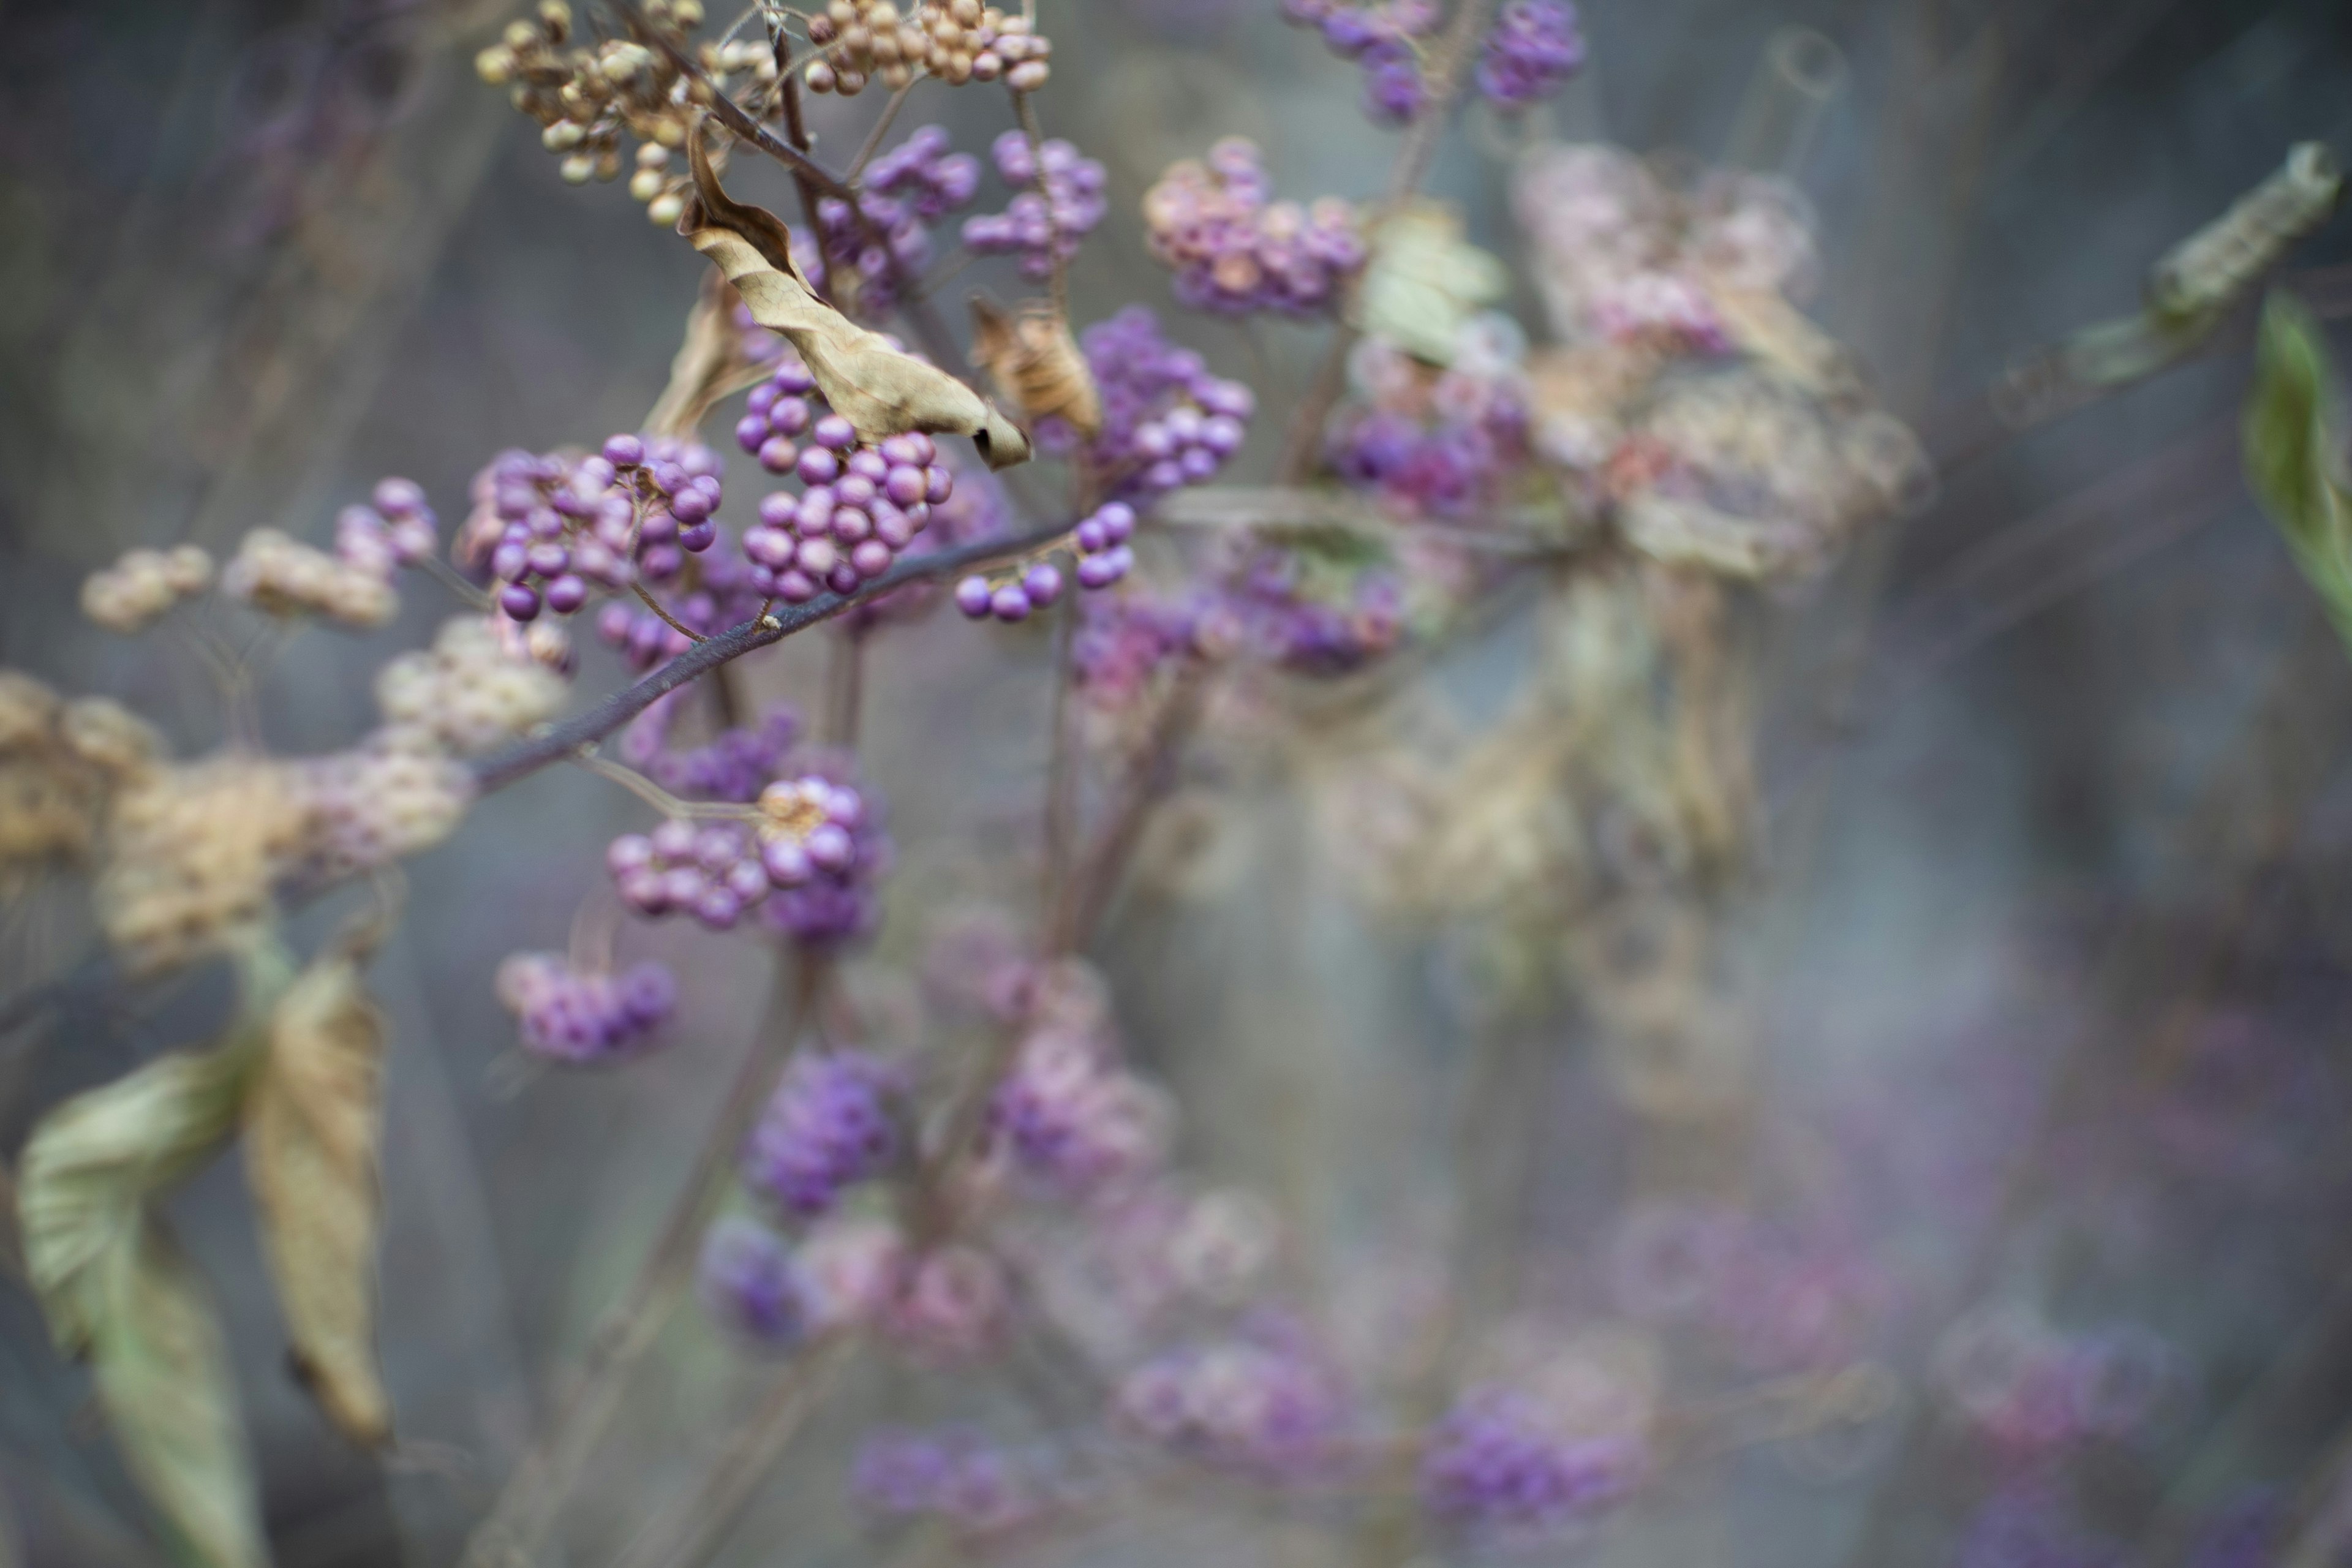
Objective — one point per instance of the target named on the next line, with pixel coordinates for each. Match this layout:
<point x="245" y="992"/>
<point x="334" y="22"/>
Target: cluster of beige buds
<point x="472" y="690"/>
<point x="143" y="585"/>
<point x="586" y="99"/>
<point x="955" y="41"/>
<point x="283" y="576"/>
<point x="58" y="762"/>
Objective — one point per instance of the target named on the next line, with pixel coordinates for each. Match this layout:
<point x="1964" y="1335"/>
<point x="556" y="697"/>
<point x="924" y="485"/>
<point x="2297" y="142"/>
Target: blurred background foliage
<point x="2045" y="963"/>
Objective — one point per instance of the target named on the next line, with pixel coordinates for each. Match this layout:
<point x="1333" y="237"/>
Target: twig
<point x="525" y="1513"/>
<point x="1060" y="775"/>
<point x="680" y="628"/>
<point x="732" y="114"/>
<point x="1060" y="281"/>
<point x="560" y="742"/>
<point x="703" y="1525"/>
<point x="845" y="685"/>
<point x="873" y="142"/>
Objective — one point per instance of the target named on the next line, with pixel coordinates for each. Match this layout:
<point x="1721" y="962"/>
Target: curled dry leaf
<point x="881" y="390"/>
<point x="1035" y="364"/>
<point x="311" y="1145"/>
<point x="117" y="1290"/>
<point x="709" y="364"/>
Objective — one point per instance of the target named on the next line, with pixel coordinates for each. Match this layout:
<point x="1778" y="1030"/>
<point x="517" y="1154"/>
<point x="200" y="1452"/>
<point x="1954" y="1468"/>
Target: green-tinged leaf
<point x="91" y="1163"/>
<point x="2289" y="435"/>
<point x="311" y="1146"/>
<point x="1425" y="281"/>
<point x="163" y="1376"/>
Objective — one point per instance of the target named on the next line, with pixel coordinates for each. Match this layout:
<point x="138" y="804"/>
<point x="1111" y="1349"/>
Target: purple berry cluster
<point x="581" y="1017"/>
<point x="952" y="1476"/>
<point x="1315" y="615"/>
<point x="839" y="827"/>
<point x="1166" y="421"/>
<point x="1383" y="39"/>
<point x="1070" y="1116"/>
<point x="1124" y="640"/>
<point x="749" y="1281"/>
<point x="1010" y="598"/>
<point x="711" y="591"/>
<point x="1533" y="48"/>
<point x="1495" y="1463"/>
<point x="1453" y="466"/>
<point x="397" y="528"/>
<point x="1041" y="228"/>
<point x="828" y="1127"/>
<point x="905" y="189"/>
<point x="2029" y="1391"/>
<point x="859" y="506"/>
<point x="550" y="529"/>
<point x="1267" y="1402"/>
<point x="1236" y="250"/>
<point x="808" y="835"/>
<point x="735" y="765"/>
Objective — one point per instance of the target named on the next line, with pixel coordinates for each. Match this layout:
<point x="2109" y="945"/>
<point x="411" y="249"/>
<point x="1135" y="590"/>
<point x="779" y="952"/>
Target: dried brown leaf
<point x="1035" y="364"/>
<point x="312" y="1125"/>
<point x="881" y="390"/>
<point x="709" y="364"/>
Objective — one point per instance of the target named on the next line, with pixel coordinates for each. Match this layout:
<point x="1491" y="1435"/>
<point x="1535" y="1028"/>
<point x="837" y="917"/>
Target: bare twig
<point x="646" y="596"/>
<point x="873" y="142"/>
<point x="525" y="1514"/>
<point x="558" y="742"/>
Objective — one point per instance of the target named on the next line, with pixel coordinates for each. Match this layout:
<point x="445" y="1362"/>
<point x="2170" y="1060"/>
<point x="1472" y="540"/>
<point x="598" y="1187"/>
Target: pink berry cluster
<point x="1069" y="1116"/>
<point x="1166" y="421"/>
<point x="887" y="237"/>
<point x="828" y="1127"/>
<point x="1315" y="613"/>
<point x="1041" y="228"/>
<point x="1236" y="250"/>
<point x="1442" y="444"/>
<point x="859" y="506"/>
<point x="1497" y="1464"/>
<point x="716" y="871"/>
<point x="2029" y="1390"/>
<point x="1265" y="1402"/>
<point x="581" y="1017"/>
<point x="1384" y="38"/>
<point x="397" y="529"/>
<point x="1124" y="640"/>
<point x="734" y="765"/>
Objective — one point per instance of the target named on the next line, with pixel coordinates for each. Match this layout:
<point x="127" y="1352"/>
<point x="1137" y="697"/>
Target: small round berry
<point x="818" y="466"/>
<point x="871" y="557"/>
<point x="520" y="601"/>
<point x="972" y="596"/>
<point x="1042" y="583"/>
<point x="566" y="594"/>
<point x="795" y="587"/>
<point x="830" y="847"/>
<point x="778" y="455"/>
<point x="1009" y="603"/>
<point x="625" y="451"/>
<point x="785" y="862"/>
<point x="836" y="433"/>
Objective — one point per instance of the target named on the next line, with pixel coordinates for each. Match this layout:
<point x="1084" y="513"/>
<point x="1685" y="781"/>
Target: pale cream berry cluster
<point x="193" y="850"/>
<point x="280" y="576"/>
<point x="587" y="99"/>
<point x="955" y="41"/>
<point x="476" y="687"/>
<point x="144" y="584"/>
<point x="58" y="762"/>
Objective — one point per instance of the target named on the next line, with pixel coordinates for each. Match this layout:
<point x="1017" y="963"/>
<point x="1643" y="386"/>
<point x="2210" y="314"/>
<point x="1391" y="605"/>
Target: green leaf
<point x="2289" y="443"/>
<point x="91" y="1165"/>
<point x="163" y="1376"/>
<point x="311" y="1142"/>
<point x="116" y="1290"/>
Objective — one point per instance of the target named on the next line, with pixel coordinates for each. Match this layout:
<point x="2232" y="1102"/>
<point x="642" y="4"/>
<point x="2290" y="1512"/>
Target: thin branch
<point x="732" y="114"/>
<point x="873" y="142"/>
<point x="1060" y="281"/>
<point x="519" y="1526"/>
<point x="680" y="628"/>
<point x="560" y="742"/>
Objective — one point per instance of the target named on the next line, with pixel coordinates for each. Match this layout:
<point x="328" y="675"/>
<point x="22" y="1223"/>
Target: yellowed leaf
<point x="312" y="1126"/>
<point x="1035" y="364"/>
<point x="881" y="390"/>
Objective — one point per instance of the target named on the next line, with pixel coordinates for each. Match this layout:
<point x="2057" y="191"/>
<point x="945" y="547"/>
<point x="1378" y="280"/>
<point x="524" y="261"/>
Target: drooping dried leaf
<point x="94" y="1160"/>
<point x="312" y="1122"/>
<point x="881" y="390"/>
<point x="1035" y="364"/>
<point x="116" y="1290"/>
<point x="709" y="364"/>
